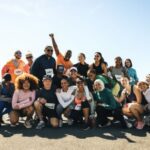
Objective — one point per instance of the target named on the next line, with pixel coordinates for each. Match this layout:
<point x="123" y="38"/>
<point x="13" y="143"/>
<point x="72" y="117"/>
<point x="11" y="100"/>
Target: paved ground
<point x="73" y="138"/>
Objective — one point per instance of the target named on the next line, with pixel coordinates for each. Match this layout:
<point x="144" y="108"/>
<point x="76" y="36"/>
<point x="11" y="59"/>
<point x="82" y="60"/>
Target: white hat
<point x="29" y="54"/>
<point x="74" y="68"/>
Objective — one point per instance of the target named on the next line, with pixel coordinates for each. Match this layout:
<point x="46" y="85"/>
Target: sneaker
<point x="140" y="125"/>
<point x="86" y="126"/>
<point x="60" y="123"/>
<point x="106" y="125"/>
<point x="70" y="122"/>
<point x="40" y="125"/>
<point x="14" y="125"/>
<point x="27" y="124"/>
<point x="128" y="124"/>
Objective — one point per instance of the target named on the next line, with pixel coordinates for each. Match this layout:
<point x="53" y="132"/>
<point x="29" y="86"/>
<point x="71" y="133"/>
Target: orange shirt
<point x="27" y="68"/>
<point x="61" y="61"/>
<point x="10" y="68"/>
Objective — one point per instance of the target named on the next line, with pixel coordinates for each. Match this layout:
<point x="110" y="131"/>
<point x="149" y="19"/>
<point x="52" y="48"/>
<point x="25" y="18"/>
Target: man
<point x="45" y="105"/>
<point x="45" y="64"/>
<point x="58" y="76"/>
<point x="29" y="58"/>
<point x="14" y="67"/>
<point x="62" y="60"/>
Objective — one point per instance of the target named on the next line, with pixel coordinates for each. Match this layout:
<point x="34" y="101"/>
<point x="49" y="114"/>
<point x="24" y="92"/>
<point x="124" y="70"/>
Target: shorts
<point x="50" y="113"/>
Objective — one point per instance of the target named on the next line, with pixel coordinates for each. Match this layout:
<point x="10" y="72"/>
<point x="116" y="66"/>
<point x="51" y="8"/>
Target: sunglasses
<point x="19" y="53"/>
<point x="49" y="50"/>
<point x="29" y="57"/>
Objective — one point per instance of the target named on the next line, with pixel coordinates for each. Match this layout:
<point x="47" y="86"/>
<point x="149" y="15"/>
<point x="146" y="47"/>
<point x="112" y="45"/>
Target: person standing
<point x="62" y="60"/>
<point x="44" y="65"/>
<point x="29" y="58"/>
<point x="14" y="67"/>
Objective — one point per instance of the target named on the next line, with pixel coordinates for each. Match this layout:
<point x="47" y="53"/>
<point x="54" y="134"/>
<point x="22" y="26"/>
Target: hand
<point x="30" y="98"/>
<point x="17" y="106"/>
<point x="42" y="100"/>
<point x="58" y="90"/>
<point x="51" y="35"/>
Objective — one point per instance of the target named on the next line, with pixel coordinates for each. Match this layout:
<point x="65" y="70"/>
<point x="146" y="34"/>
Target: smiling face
<point x="64" y="84"/>
<point x="18" y="54"/>
<point x="98" y="85"/>
<point x="91" y="76"/>
<point x="68" y="55"/>
<point x="81" y="57"/>
<point x="49" y="51"/>
<point x="47" y="84"/>
<point x="97" y="57"/>
<point x="124" y="81"/>
<point x="26" y="85"/>
<point x="143" y="86"/>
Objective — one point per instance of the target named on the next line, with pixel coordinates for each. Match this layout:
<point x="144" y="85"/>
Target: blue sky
<point x="113" y="27"/>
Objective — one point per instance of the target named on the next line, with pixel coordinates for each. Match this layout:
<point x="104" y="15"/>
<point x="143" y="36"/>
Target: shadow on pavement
<point x="113" y="132"/>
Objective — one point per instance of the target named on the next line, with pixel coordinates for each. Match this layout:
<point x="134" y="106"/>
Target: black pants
<point x="77" y="115"/>
<point x="103" y="113"/>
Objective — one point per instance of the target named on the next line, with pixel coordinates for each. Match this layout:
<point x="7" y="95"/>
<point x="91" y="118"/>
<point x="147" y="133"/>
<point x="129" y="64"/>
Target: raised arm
<point x="54" y="44"/>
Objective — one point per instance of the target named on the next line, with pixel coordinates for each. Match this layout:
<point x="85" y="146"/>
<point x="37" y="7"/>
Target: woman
<point x="82" y="66"/>
<point x="131" y="72"/>
<point x="81" y="104"/>
<point x="133" y="97"/>
<point x="99" y="64"/>
<point x="118" y="70"/>
<point x="23" y="98"/>
<point x="145" y="89"/>
<point x="108" y="82"/>
<point x="65" y="97"/>
<point x="106" y="105"/>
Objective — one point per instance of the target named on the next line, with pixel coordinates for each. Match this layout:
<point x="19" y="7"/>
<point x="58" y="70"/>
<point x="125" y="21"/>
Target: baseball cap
<point x="29" y="54"/>
<point x="73" y="68"/>
<point x="47" y="77"/>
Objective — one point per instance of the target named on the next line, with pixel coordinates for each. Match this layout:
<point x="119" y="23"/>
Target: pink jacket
<point x="23" y="99"/>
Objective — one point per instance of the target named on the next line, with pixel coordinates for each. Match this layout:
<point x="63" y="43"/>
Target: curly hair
<point x="26" y="77"/>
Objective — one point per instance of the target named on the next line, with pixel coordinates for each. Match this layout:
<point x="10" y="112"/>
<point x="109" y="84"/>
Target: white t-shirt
<point x="147" y="95"/>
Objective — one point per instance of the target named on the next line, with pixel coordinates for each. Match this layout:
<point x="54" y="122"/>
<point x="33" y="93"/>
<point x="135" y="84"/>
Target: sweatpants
<point x="103" y="113"/>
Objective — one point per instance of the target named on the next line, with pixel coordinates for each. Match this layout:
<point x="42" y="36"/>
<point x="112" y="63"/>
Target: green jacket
<point x="106" y="98"/>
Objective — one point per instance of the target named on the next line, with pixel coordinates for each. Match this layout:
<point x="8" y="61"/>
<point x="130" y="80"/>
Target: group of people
<point x="48" y="89"/>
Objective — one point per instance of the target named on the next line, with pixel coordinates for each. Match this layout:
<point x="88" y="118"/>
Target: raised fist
<point x="51" y="35"/>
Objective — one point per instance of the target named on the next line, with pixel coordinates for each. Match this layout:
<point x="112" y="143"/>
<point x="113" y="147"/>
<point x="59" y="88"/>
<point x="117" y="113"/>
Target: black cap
<point x="47" y="77"/>
<point x="7" y="77"/>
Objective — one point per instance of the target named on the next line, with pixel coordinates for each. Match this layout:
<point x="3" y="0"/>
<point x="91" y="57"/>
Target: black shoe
<point x="86" y="127"/>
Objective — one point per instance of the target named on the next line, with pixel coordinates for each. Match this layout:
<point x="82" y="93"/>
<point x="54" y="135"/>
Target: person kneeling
<point x="23" y="98"/>
<point x="45" y="105"/>
<point x="106" y="105"/>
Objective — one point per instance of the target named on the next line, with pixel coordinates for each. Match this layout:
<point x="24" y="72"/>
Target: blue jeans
<point x="5" y="108"/>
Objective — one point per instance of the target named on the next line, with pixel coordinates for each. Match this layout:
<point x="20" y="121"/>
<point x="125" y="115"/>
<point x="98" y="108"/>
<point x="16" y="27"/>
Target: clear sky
<point x="113" y="27"/>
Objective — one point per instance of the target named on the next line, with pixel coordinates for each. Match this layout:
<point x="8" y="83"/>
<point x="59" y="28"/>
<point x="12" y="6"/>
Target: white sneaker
<point x="40" y="125"/>
<point x="27" y="124"/>
<point x="14" y="125"/>
<point x="60" y="123"/>
<point x="129" y="125"/>
<point x="70" y="122"/>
